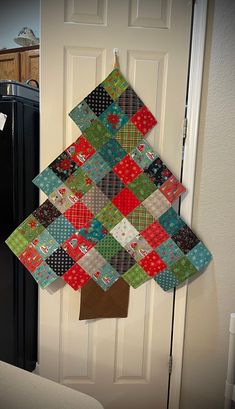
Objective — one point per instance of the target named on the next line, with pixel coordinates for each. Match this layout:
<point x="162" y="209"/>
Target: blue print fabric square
<point x="61" y="229"/>
<point x="106" y="276"/>
<point x="47" y="181"/>
<point x="199" y="256"/>
<point x="112" y="152"/>
<point x="83" y="116"/>
<point x="96" y="167"/>
<point x="113" y="118"/>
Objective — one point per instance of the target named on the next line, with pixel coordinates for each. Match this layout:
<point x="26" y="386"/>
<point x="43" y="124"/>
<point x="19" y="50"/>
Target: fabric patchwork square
<point x="115" y="84"/>
<point x="109" y="216"/>
<point x="63" y="166"/>
<point x="97" y="134"/>
<point x="106" y="276"/>
<point x="108" y="247"/>
<point x="122" y="261"/>
<point x="156" y="204"/>
<point x="76" y="277"/>
<point x="99" y="100"/>
<point x="112" y="152"/>
<point x="81" y="150"/>
<point x="61" y="229"/>
<point x="113" y="118"/>
<point x="47" y="181"/>
<point x="140" y="218"/>
<point x="60" y="261"/>
<point x="152" y="264"/>
<point x="46" y="214"/>
<point x="78" y="215"/>
<point x="169" y="252"/>
<point x="44" y="275"/>
<point x="135" y="276"/>
<point x="172" y="189"/>
<point x="143" y="155"/>
<point x="94" y="231"/>
<point x="77" y="246"/>
<point x="30" y="228"/>
<point x="110" y="185"/>
<point x="92" y="261"/>
<point x="79" y="183"/>
<point x="45" y="244"/>
<point x="124" y="232"/>
<point x="171" y="221"/>
<point x="142" y="187"/>
<point x="82" y="115"/>
<point x="62" y="198"/>
<point x="128" y="136"/>
<point x="183" y="269"/>
<point x="138" y="248"/>
<point x="96" y="167"/>
<point x="185" y="239"/>
<point x="158" y="172"/>
<point x="30" y="258"/>
<point x="95" y="200"/>
<point x="127" y="169"/>
<point x="129" y="102"/>
<point x="125" y="201"/>
<point x="143" y="120"/>
<point x="166" y="280"/>
<point x="199" y="256"/>
<point x="155" y="234"/>
<point x="16" y="242"/>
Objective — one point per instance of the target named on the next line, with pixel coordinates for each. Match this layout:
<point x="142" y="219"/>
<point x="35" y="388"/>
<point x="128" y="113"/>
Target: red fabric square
<point x="79" y="215"/>
<point x="81" y="150"/>
<point x="76" y="277"/>
<point x="127" y="169"/>
<point x="143" y="120"/>
<point x="172" y="189"/>
<point x="30" y="258"/>
<point x="77" y="246"/>
<point x="155" y="234"/>
<point x="125" y="201"/>
<point x="152" y="264"/>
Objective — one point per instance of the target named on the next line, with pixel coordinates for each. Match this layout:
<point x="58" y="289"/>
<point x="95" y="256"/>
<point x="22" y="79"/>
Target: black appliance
<point x="19" y="164"/>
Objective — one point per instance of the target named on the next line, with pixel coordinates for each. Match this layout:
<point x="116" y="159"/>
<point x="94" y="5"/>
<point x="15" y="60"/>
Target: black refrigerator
<point x="19" y="164"/>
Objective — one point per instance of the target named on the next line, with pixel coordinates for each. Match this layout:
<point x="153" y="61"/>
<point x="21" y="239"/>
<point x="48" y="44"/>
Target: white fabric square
<point x="124" y="232"/>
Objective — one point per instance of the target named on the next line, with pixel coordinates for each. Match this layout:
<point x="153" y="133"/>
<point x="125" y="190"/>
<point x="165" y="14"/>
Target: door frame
<point x="199" y="23"/>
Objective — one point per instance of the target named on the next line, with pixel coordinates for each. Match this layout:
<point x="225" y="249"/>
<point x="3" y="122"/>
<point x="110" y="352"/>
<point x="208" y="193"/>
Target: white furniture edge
<point x="189" y="170"/>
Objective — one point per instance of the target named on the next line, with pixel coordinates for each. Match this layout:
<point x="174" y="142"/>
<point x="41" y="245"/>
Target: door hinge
<point x="185" y="129"/>
<point x="170" y="364"/>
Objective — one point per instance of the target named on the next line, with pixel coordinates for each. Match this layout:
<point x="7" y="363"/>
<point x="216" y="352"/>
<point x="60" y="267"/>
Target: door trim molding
<point x="188" y="179"/>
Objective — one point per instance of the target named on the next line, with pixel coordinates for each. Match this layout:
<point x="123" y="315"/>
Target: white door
<point x="121" y="362"/>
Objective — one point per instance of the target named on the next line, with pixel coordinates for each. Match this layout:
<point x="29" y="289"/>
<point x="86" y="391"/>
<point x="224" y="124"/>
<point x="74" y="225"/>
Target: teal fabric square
<point x="96" y="167"/>
<point x="61" y="229"/>
<point x="169" y="252"/>
<point x="113" y="118"/>
<point x="199" y="256"/>
<point x="106" y="276"/>
<point x="47" y="181"/>
<point x="45" y="244"/>
<point x="83" y="116"/>
<point x="44" y="275"/>
<point x="166" y="280"/>
<point x="143" y="155"/>
<point x="94" y="231"/>
<point x="171" y="221"/>
<point x="112" y="152"/>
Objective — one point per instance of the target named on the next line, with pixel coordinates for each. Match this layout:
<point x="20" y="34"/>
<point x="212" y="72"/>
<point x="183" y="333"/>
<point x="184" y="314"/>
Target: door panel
<point x="121" y="362"/>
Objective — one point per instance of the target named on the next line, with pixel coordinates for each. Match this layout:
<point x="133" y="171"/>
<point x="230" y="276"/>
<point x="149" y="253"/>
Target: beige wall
<point x="211" y="297"/>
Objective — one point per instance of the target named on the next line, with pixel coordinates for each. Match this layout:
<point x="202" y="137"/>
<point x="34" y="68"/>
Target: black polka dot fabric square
<point x="129" y="102"/>
<point x="46" y="213"/>
<point x="99" y="100"/>
<point x="122" y="261"/>
<point x="60" y="261"/>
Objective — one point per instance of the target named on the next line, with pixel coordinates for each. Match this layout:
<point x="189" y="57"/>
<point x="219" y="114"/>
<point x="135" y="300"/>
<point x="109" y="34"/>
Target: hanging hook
<point x="116" y="58"/>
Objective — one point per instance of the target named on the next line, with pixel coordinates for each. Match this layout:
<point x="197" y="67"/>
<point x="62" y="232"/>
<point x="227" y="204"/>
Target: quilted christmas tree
<point x="109" y="214"/>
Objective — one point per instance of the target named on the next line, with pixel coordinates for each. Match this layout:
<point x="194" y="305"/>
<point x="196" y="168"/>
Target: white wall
<point x="14" y="15"/>
<point x="211" y="297"/>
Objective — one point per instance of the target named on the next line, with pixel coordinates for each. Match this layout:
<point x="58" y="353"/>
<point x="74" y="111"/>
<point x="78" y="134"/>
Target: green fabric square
<point x="79" y="182"/>
<point x="128" y="136"/>
<point x="115" y="84"/>
<point x="142" y="187"/>
<point x="109" y="216"/>
<point x="16" y="242"/>
<point x="108" y="247"/>
<point x="30" y="228"/>
<point x="135" y="276"/>
<point x="183" y="269"/>
<point x="140" y="218"/>
<point x="166" y="280"/>
<point x="97" y="134"/>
